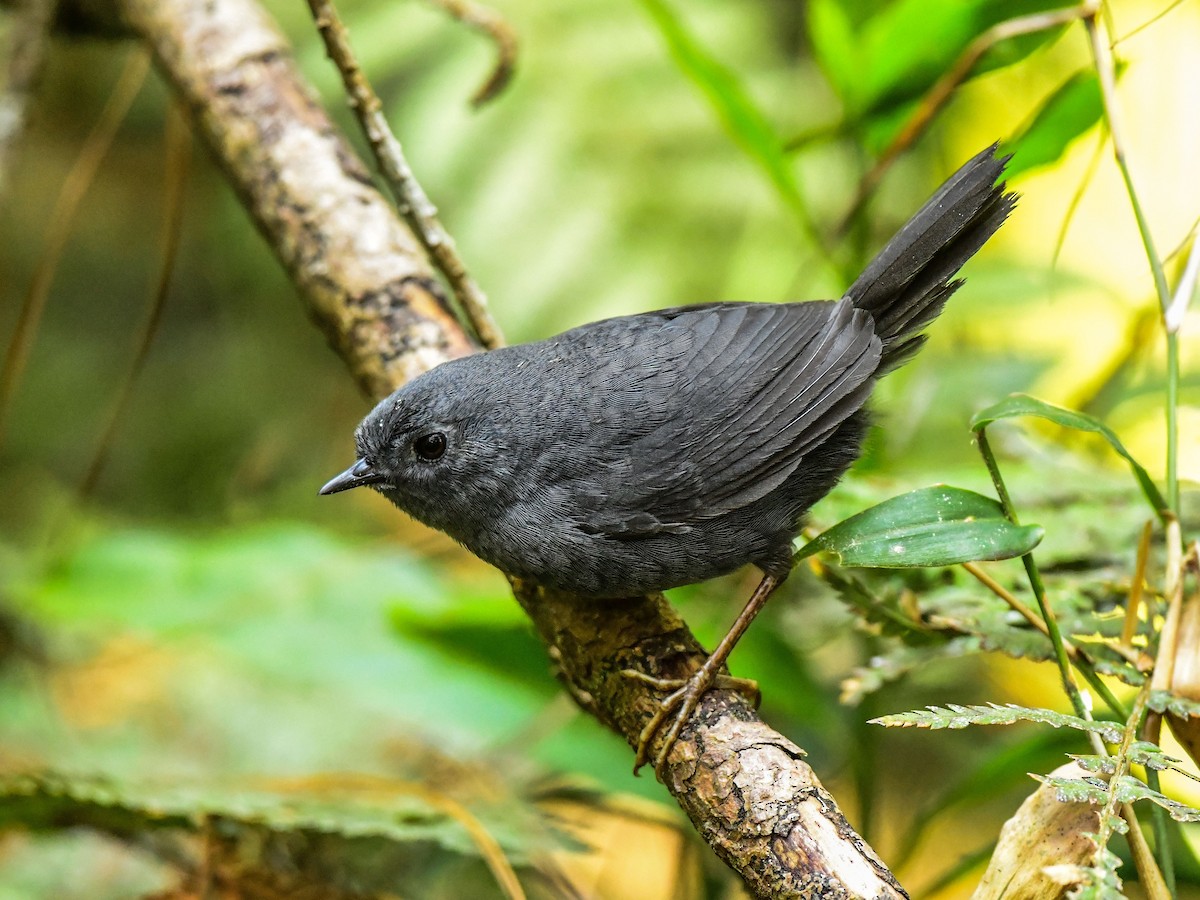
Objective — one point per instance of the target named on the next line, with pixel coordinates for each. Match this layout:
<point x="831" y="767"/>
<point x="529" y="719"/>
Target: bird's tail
<point x="907" y="284"/>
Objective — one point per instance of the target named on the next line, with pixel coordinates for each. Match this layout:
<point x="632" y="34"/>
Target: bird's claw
<point x="685" y="696"/>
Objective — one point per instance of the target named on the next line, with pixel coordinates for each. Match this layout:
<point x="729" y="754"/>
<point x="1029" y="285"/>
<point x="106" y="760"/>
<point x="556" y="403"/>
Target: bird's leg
<point x="678" y="688"/>
<point x="721" y="682"/>
<point x="683" y="701"/>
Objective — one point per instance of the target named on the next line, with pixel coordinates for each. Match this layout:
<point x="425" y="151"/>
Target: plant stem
<point x="1148" y="872"/>
<point x="939" y="95"/>
<point x="178" y="153"/>
<point x="1105" y="70"/>
<point x="412" y="202"/>
<point x="489" y="22"/>
<point x="1173" y="420"/>
<point x="1035" y="582"/>
<point x="62" y="220"/>
<point x="1162" y="836"/>
<point x="1078" y="658"/>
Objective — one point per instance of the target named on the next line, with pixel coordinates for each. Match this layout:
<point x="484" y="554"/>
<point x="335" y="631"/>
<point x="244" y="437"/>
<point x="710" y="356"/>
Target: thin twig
<point x="1137" y="586"/>
<point x="1162" y="678"/>
<point x="1154" y="18"/>
<point x="1168" y="637"/>
<point x="27" y="41"/>
<point x="1149" y="874"/>
<point x="62" y="219"/>
<point x="486" y="20"/>
<point x="178" y="147"/>
<point x="1106" y="71"/>
<point x="1024" y="611"/>
<point x="1070" y="686"/>
<point x="1077" y="656"/>
<point x="412" y="203"/>
<point x="1177" y="311"/>
<point x="1077" y="198"/>
<point x="1184" y="241"/>
<point x="941" y="92"/>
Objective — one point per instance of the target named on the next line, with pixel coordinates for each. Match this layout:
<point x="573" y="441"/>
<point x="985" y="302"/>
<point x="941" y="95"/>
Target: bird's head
<point x="427" y="449"/>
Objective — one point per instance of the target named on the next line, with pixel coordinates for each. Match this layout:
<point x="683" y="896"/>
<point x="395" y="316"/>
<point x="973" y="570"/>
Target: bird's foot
<point x="682" y="700"/>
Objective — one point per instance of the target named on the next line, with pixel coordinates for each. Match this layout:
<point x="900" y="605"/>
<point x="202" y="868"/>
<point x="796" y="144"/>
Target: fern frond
<point x="1141" y="753"/>
<point x="1098" y="882"/>
<point x="955" y="716"/>
<point x="1166" y="702"/>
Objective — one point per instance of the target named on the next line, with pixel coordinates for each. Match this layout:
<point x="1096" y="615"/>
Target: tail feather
<point x="908" y="283"/>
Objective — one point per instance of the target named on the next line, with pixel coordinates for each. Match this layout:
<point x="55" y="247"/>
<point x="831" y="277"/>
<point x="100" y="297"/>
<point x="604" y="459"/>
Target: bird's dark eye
<point x="430" y="446"/>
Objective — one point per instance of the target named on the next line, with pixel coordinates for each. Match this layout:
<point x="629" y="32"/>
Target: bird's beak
<point x="356" y="476"/>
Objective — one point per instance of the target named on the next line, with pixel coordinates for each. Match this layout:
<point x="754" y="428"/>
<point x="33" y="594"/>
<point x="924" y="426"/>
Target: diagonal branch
<point x="359" y="271"/>
<point x="418" y="211"/>
<point x="365" y="282"/>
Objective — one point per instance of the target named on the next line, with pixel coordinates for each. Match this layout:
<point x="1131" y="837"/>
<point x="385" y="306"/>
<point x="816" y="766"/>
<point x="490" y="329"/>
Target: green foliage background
<point x="204" y="616"/>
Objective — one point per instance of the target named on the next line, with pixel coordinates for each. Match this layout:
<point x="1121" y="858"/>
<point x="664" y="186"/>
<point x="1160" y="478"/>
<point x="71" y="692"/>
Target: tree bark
<point x="357" y="268"/>
<point x="745" y="787"/>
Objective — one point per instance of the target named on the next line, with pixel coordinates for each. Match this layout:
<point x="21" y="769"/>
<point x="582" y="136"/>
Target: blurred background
<point x="198" y="614"/>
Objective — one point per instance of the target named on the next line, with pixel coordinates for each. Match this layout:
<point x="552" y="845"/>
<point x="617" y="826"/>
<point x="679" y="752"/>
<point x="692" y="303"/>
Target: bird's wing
<point x="733" y="396"/>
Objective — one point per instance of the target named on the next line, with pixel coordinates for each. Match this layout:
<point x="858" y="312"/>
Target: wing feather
<point x="754" y="388"/>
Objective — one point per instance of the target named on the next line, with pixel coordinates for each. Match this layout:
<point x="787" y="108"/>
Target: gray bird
<point x="645" y="452"/>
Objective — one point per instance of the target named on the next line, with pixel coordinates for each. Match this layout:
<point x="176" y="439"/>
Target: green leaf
<point x="1070" y="111"/>
<point x="1084" y="568"/>
<point x="1018" y="405"/>
<point x="1141" y="753"/>
<point x="955" y="716"/>
<point x="293" y="623"/>
<point x="390" y="809"/>
<point x="742" y="118"/>
<point x="902" y="50"/>
<point x="835" y="46"/>
<point x="1127" y="789"/>
<point x="1092" y="790"/>
<point x="891" y="619"/>
<point x="933" y="526"/>
<point x="1130" y="790"/>
<point x="479" y="631"/>
<point x="1166" y="702"/>
<point x="911" y="43"/>
<point x="364" y="833"/>
<point x="1099" y="882"/>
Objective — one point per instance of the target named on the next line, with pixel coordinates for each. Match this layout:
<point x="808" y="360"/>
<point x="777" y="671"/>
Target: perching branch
<point x="359" y="272"/>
